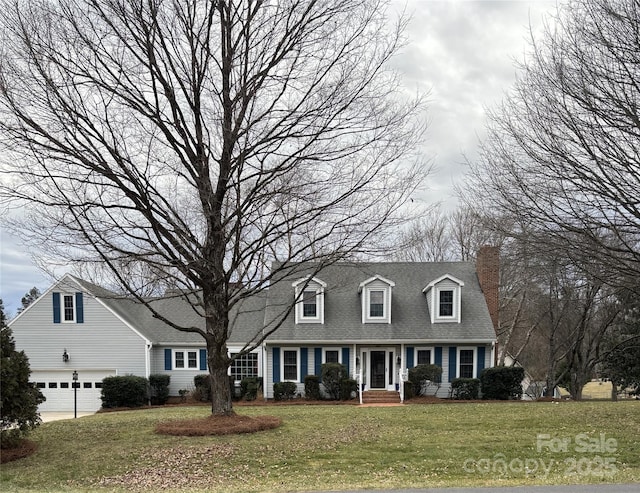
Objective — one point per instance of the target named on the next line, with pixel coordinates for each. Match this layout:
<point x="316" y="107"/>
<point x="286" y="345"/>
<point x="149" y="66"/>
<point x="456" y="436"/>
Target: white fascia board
<point x="309" y="279"/>
<point x="440" y="279"/>
<point x="375" y="278"/>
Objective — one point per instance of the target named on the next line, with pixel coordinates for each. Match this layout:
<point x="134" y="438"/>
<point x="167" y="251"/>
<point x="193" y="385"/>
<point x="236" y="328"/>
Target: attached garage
<point x="57" y="387"/>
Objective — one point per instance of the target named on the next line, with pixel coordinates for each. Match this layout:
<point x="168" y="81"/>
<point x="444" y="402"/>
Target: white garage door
<point x="57" y="387"/>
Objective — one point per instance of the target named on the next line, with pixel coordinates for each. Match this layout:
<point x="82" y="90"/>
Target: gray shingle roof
<point x="246" y="319"/>
<point x="410" y="320"/>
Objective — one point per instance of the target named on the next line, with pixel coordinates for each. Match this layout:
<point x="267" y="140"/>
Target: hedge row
<point x="500" y="383"/>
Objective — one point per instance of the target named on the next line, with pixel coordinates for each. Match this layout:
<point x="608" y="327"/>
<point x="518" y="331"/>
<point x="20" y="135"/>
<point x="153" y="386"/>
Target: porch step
<point x="380" y="397"/>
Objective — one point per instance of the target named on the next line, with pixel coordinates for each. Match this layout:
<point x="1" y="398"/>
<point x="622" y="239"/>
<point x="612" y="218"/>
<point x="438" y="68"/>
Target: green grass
<point x="339" y="447"/>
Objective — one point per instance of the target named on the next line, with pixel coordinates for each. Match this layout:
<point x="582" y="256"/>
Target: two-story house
<point x="380" y="318"/>
<point x="375" y="318"/>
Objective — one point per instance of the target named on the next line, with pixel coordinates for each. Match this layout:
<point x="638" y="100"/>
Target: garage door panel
<point x="57" y="387"/>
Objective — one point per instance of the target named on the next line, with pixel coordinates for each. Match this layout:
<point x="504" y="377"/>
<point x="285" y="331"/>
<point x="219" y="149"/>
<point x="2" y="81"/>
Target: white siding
<point x="102" y="341"/>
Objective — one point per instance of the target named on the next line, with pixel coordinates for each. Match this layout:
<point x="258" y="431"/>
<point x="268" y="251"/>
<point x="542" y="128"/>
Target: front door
<point x="378" y="369"/>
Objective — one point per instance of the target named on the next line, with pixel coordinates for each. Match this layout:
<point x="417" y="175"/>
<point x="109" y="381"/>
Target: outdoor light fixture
<point x="398" y="360"/>
<point x="65" y="356"/>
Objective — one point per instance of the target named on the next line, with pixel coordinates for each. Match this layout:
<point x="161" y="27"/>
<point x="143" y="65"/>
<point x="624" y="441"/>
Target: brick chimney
<point x="488" y="269"/>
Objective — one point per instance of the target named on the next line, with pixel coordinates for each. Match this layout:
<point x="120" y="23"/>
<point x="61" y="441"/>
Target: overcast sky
<point x="461" y="51"/>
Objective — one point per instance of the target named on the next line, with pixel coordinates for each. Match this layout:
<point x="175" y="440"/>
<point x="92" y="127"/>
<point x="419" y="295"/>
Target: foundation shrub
<point x="283" y="391"/>
<point x="159" y="388"/>
<point x="502" y="383"/>
<point x="312" y="388"/>
<point x="124" y="391"/>
<point x="465" y="388"/>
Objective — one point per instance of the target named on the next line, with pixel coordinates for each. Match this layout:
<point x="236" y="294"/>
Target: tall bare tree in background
<point x="195" y="142"/>
<point x="558" y="176"/>
<point x="563" y="151"/>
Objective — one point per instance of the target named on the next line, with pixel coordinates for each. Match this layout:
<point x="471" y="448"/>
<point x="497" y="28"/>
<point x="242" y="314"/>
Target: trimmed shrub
<point x="202" y="392"/>
<point x="203" y="387"/>
<point x="249" y="387"/>
<point x="465" y="388"/>
<point x="159" y="388"/>
<point x="312" y="387"/>
<point x="332" y="376"/>
<point x="502" y="382"/>
<point x="347" y="387"/>
<point x="124" y="391"/>
<point x="421" y="374"/>
<point x="284" y="390"/>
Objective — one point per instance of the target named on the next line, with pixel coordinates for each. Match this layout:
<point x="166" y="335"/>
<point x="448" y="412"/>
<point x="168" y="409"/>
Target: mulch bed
<point x="24" y="449"/>
<point x="218" y="425"/>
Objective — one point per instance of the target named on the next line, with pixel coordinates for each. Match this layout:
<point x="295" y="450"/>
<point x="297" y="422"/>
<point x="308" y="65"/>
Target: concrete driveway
<point x="57" y="416"/>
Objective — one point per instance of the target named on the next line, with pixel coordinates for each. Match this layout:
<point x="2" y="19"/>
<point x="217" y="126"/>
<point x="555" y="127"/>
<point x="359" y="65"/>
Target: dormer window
<point x="445" y="305"/>
<point x="309" y="304"/>
<point x="444" y="297"/>
<point x="376" y="300"/>
<point x="376" y="304"/>
<point x="309" y="296"/>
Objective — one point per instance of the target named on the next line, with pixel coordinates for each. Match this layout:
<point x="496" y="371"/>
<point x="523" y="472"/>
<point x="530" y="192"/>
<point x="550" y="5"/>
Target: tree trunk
<point x="218" y="360"/>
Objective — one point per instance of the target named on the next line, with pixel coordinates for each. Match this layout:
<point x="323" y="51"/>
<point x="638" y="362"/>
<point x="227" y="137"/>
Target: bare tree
<point x="198" y="142"/>
<point x="562" y="152"/>
<point x="426" y="240"/>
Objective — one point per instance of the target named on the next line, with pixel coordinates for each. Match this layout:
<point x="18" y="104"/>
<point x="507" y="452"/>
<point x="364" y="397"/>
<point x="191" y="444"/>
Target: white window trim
<point x="307" y="284"/>
<point x="62" y="309"/>
<point x="365" y="289"/>
<point x="455" y="301"/>
<point x="297" y="351"/>
<point x="432" y="292"/>
<point x="186" y="359"/>
<point x="475" y="360"/>
<point x="424" y="348"/>
<point x="324" y="354"/>
<point x="386" y="305"/>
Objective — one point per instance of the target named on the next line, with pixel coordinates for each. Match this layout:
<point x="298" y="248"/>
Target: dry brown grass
<point x="218" y="425"/>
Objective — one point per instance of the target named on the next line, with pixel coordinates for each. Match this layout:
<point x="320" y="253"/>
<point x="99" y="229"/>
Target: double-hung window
<point x="309" y="304"/>
<point x="445" y="306"/>
<point x="466" y="363"/>
<point x="423" y="356"/>
<point x="290" y="365"/>
<point x="376" y="304"/>
<point x="309" y="299"/>
<point x="68" y="308"/>
<point x="185" y="360"/>
<point x="375" y="298"/>
<point x="332" y="356"/>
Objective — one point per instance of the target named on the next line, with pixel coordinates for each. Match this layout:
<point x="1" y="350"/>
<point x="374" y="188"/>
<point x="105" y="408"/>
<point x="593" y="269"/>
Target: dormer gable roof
<point x="377" y="277"/>
<point x="308" y="280"/>
<point x="440" y="279"/>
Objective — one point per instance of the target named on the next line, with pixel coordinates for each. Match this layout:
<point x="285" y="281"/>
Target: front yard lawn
<point x="340" y="447"/>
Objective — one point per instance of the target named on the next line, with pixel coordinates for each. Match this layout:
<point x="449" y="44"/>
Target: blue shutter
<point x="345" y="359"/>
<point x="304" y="363"/>
<point x="410" y="352"/>
<point x="276" y="364"/>
<point x="452" y="363"/>
<point x="79" y="309"/>
<point x="480" y="362"/>
<point x="56" y="308"/>
<point x="317" y="364"/>
<point x="438" y="356"/>
<point x="203" y="359"/>
<point x="167" y="359"/>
